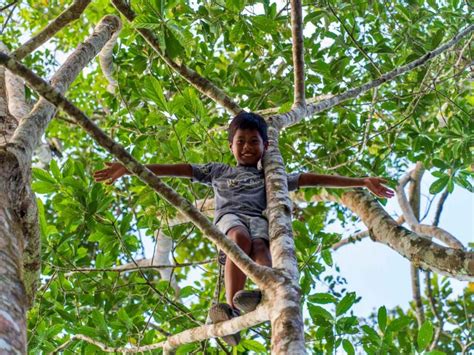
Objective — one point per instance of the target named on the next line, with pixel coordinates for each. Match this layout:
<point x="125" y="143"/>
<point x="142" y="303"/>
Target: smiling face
<point x="248" y="147"/>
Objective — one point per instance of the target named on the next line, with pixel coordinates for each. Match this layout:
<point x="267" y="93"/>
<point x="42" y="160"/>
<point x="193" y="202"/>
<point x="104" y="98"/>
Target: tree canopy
<point x="89" y="230"/>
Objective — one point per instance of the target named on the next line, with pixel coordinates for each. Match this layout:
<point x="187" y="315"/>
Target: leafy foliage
<point x="244" y="47"/>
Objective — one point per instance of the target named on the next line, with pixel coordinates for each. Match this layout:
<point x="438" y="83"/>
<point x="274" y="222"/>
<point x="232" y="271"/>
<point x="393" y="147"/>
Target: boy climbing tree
<point x="240" y="204"/>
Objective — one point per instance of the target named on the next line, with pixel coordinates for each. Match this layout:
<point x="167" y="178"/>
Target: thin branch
<point x="141" y="264"/>
<point x="202" y="84"/>
<point x="298" y="52"/>
<point x="258" y="274"/>
<point x="439" y="207"/>
<point x="72" y="13"/>
<point x="8" y="5"/>
<point x="203" y="332"/>
<point x="294" y="116"/>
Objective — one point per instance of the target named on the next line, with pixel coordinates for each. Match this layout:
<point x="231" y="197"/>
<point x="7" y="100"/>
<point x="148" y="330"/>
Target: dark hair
<point x="248" y="120"/>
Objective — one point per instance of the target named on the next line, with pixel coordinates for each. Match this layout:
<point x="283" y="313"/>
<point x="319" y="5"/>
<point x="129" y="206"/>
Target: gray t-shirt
<point x="237" y="189"/>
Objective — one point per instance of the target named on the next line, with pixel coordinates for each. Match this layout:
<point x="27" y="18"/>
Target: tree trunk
<point x="285" y="311"/>
<point x="13" y="300"/>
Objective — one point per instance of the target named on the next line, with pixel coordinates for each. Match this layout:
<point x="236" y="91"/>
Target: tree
<point x="388" y="85"/>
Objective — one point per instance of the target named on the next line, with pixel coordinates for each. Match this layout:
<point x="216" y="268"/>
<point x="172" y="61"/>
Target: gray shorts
<point x="257" y="227"/>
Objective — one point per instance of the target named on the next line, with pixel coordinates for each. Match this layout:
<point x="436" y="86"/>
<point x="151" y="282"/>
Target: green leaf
<point x="327" y="257"/>
<point x="322" y="298"/>
<point x="254" y="346"/>
<point x="398" y="324"/>
<point x="346" y="303"/>
<point x="425" y="335"/>
<point x="382" y="318"/>
<point x="317" y="312"/>
<point x="43" y="187"/>
<point x="55" y="169"/>
<point x="347" y="346"/>
<point x="372" y="335"/>
<point x="43" y="175"/>
<point x="152" y="90"/>
<point x="439" y="185"/>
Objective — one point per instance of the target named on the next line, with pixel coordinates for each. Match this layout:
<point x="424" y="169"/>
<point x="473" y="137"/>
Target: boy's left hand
<point x="374" y="184"/>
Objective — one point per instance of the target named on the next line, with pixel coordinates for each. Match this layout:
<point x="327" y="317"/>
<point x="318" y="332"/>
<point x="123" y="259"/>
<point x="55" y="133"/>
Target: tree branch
<point x="298" y="52"/>
<point x="144" y="264"/>
<point x="72" y="13"/>
<point x="15" y="93"/>
<point x="205" y="86"/>
<point x="106" y="61"/>
<point x="32" y="127"/>
<point x="255" y="272"/>
<point x="414" y="192"/>
<point x="294" y="116"/>
<point x="451" y="262"/>
<point x="433" y="230"/>
<point x="188" y="336"/>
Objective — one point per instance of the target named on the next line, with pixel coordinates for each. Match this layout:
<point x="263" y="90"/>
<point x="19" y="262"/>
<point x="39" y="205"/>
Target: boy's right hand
<point x="111" y="173"/>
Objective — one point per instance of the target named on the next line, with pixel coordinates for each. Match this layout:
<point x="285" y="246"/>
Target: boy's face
<point x="247" y="147"/>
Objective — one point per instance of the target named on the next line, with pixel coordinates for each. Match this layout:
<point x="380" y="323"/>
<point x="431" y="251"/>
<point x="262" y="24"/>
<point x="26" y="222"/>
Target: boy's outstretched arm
<point x="113" y="171"/>
<point x="374" y="184"/>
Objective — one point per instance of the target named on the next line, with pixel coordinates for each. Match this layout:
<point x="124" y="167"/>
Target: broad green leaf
<point x="154" y="91"/>
<point x="398" y="324"/>
<point x="345" y="303"/>
<point x="43" y="187"/>
<point x="348" y="347"/>
<point x="425" y="334"/>
<point x="322" y="298"/>
<point x="319" y="312"/>
<point x="439" y="185"/>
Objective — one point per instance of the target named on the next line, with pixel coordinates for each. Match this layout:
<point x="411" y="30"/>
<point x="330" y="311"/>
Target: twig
<point x="120" y="269"/>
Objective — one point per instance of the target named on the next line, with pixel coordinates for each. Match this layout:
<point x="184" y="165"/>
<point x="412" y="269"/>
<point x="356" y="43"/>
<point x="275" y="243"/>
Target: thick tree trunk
<point x="13" y="300"/>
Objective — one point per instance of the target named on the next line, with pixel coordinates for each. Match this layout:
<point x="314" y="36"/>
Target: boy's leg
<point x="234" y="278"/>
<point x="260" y="252"/>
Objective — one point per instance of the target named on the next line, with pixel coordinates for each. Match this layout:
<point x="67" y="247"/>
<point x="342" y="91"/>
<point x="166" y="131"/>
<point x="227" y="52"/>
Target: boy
<point x="240" y="201"/>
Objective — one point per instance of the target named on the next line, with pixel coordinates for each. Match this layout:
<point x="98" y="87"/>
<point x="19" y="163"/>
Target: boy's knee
<point x="241" y="237"/>
<point x="260" y="247"/>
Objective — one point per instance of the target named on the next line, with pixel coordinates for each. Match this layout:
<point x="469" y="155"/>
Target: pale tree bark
<point x="285" y="314"/>
<point x="65" y="18"/>
<point x="260" y="275"/>
<point x="414" y="193"/>
<point x="433" y="231"/>
<point x="202" y="84"/>
<point x="19" y="233"/>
